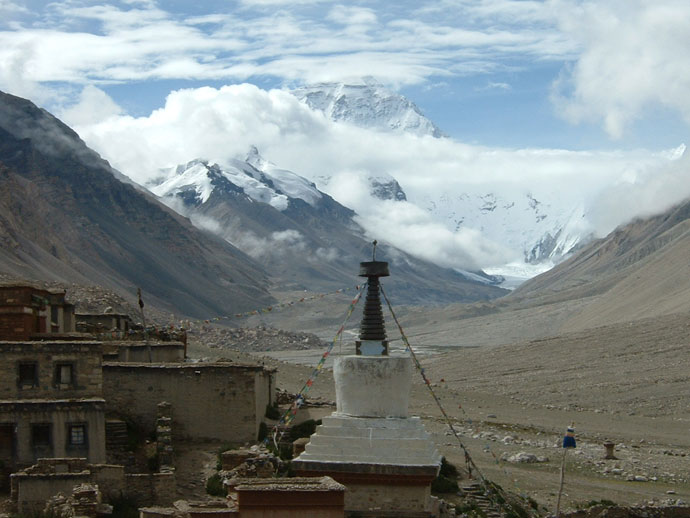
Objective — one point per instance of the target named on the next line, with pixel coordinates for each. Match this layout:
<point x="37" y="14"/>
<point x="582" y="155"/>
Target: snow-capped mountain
<point x="195" y="181"/>
<point x="368" y="104"/>
<point x="305" y="238"/>
<point x="542" y="231"/>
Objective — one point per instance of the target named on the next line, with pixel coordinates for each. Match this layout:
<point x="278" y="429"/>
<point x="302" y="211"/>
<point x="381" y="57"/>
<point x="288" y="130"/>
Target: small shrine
<point x="370" y="444"/>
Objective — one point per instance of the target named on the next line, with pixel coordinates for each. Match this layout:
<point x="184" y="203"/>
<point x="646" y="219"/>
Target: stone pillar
<point x="86" y="498"/>
<point x="164" y="436"/>
<point x="609" y="446"/>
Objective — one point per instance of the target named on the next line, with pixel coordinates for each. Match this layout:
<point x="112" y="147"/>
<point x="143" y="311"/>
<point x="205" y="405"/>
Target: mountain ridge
<point x="65" y="205"/>
<point x="309" y="241"/>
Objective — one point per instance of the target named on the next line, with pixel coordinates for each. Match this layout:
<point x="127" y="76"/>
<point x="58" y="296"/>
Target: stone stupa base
<point x="387" y="464"/>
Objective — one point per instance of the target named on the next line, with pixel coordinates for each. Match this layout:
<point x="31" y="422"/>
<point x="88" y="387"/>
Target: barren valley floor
<point x="627" y="383"/>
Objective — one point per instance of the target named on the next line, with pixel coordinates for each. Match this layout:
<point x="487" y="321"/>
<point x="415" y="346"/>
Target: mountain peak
<point x="255" y="159"/>
<point x="369" y="104"/>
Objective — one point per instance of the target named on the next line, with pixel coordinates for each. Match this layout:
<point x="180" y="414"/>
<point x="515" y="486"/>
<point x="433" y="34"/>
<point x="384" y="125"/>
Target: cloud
<point x="94" y="106"/>
<point x="223" y="123"/>
<point x="650" y="191"/>
<point x="491" y="85"/>
<point x="138" y="41"/>
<point x="633" y="59"/>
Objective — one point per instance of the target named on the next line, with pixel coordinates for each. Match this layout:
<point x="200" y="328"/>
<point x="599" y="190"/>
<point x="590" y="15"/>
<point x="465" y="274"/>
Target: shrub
<point x="124" y="508"/>
<point x="443" y="484"/>
<point x="304" y="429"/>
<point x="273" y="412"/>
<point x="214" y="485"/>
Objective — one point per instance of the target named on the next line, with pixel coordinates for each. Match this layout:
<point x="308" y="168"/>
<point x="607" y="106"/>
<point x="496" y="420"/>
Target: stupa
<point x="370" y="444"/>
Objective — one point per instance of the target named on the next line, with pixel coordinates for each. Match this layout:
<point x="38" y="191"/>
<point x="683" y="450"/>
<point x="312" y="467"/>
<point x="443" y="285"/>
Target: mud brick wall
<point x="209" y="401"/>
<point x="151" y="489"/>
<point x="86" y="358"/>
<point x="33" y="490"/>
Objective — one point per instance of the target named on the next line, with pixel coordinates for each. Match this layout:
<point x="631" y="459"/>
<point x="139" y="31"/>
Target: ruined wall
<point x="32" y="487"/>
<point x="34" y="490"/>
<point x="85" y="357"/>
<point x="209" y="401"/>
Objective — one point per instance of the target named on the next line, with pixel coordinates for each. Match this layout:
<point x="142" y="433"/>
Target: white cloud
<point x="9" y="7"/>
<point x="93" y="106"/>
<point x="219" y="124"/>
<point x="137" y="42"/>
<point x="635" y="57"/>
<point x="646" y="192"/>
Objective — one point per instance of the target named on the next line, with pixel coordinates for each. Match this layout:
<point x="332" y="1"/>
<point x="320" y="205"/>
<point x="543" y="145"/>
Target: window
<point x="76" y="435"/>
<point x="64" y="375"/>
<point x="40" y="435"/>
<point x="28" y="374"/>
<point x="54" y="316"/>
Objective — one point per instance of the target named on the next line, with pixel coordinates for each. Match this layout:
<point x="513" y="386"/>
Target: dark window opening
<point x="76" y="435"/>
<point x="28" y="374"/>
<point x="7" y="443"/>
<point x="40" y="435"/>
<point x="54" y="317"/>
<point x="64" y="375"/>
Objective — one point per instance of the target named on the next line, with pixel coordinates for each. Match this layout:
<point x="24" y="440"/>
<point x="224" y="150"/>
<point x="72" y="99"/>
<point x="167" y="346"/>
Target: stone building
<point x="235" y="395"/>
<point x="27" y="310"/>
<point x="97" y="323"/>
<point x="51" y="402"/>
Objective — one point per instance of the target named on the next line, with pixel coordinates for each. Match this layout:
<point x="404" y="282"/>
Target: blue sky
<point x="511" y="73"/>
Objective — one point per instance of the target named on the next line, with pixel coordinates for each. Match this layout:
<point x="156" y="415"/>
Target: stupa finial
<point x="372" y="330"/>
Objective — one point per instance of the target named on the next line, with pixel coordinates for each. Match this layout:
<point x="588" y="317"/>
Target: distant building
<point x="26" y="311"/>
<point x="98" y="323"/>
<point x="51" y="402"/>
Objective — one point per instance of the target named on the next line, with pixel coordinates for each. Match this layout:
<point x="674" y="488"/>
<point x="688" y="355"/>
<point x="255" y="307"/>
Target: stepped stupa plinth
<point x="370" y="444"/>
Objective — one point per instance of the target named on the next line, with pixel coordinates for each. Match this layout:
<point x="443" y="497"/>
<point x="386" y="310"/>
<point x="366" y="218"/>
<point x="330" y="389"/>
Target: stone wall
<point x="363" y="497"/>
<point x="32" y="487"/>
<point x="59" y="415"/>
<point x="151" y="488"/>
<point x="85" y="358"/>
<point x="33" y="491"/>
<point x="219" y="401"/>
<point x="161" y="352"/>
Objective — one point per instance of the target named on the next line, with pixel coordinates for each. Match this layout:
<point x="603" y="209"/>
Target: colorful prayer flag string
<point x="489" y="488"/>
<point x="290" y="414"/>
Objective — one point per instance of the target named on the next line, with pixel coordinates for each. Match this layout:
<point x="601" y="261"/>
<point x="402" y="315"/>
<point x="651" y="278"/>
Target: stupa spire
<point x="372" y="330"/>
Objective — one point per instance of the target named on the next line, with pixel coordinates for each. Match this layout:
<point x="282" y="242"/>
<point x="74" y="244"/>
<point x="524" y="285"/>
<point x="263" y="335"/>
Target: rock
<point x="640" y="478"/>
<point x="524" y="458"/>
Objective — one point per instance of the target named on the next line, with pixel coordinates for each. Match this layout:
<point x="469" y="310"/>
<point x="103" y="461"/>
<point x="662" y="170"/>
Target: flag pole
<point x="568" y="442"/>
<point x="143" y="321"/>
<point x="560" y="489"/>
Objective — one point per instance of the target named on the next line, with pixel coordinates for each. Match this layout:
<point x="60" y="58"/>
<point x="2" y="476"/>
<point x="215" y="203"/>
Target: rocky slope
<point x="640" y="270"/>
<point x="65" y="215"/>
